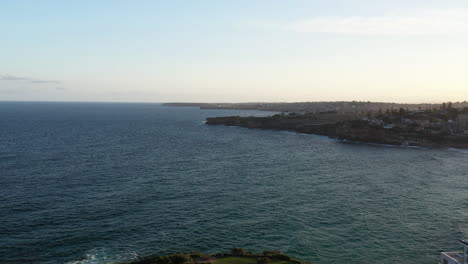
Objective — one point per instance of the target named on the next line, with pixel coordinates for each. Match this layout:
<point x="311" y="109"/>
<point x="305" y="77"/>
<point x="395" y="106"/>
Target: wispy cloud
<point x="45" y="81"/>
<point x="8" y="77"/>
<point x="432" y="22"/>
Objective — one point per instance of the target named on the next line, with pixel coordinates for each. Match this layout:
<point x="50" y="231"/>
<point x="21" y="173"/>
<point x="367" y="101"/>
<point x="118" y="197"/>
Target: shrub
<point x="238" y="251"/>
<point x="263" y="260"/>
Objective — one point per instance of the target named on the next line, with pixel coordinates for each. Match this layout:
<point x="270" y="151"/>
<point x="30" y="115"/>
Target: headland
<point x="430" y="125"/>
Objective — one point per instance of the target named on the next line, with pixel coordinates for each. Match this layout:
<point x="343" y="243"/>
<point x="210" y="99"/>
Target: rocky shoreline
<point x="346" y="129"/>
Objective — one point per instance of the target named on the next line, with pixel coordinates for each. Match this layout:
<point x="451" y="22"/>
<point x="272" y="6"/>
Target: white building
<point x="456" y="257"/>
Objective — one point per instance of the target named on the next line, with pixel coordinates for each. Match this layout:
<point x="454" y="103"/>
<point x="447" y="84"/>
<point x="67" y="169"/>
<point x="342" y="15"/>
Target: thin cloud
<point x="7" y="77"/>
<point x="439" y="22"/>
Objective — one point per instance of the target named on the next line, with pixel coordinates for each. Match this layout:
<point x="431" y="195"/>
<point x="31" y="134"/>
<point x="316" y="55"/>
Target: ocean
<point x="102" y="182"/>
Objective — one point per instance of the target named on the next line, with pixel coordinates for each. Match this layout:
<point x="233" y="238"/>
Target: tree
<point x="401" y="111"/>
<point x="379" y="113"/>
<point x="452" y="113"/>
<point x="178" y="259"/>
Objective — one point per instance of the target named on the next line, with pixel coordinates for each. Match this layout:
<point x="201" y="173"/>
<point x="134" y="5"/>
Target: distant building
<point x="425" y="123"/>
<point x="456" y="257"/>
<point x="407" y="121"/>
<point x="462" y="124"/>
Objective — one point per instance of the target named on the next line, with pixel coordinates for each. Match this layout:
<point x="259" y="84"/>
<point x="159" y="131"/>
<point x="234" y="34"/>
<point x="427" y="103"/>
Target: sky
<point x="234" y="51"/>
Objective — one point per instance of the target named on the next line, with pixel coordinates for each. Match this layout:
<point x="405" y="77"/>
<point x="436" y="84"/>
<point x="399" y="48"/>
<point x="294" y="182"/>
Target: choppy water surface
<point x="93" y="183"/>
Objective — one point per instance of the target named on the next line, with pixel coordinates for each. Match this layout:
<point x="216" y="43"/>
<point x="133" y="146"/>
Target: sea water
<point x="104" y="182"/>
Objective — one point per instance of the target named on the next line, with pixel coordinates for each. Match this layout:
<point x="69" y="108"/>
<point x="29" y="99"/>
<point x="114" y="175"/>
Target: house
<point x="456" y="257"/>
<point x="407" y="121"/>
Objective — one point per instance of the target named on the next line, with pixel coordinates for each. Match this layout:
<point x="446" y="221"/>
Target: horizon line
<point x="251" y="102"/>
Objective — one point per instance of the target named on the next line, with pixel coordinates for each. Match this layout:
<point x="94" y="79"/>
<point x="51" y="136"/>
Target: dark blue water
<point x="96" y="183"/>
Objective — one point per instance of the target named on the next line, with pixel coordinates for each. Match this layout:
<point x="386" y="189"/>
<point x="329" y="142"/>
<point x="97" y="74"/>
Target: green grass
<point x="246" y="260"/>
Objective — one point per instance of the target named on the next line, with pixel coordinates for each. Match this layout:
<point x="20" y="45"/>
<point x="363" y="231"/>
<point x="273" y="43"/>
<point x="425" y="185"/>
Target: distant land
<point x="314" y="107"/>
<point x="236" y="256"/>
<point x="430" y="125"/>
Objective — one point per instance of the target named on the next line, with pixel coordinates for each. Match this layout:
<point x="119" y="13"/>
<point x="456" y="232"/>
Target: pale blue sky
<point x="246" y="50"/>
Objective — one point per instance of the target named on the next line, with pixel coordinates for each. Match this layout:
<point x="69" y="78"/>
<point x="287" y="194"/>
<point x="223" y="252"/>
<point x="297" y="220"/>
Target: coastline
<point x="346" y="131"/>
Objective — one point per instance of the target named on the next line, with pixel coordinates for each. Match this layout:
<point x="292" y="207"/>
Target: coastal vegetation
<point x="236" y="256"/>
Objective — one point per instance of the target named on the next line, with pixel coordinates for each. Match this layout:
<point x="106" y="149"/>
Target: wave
<point x="378" y="144"/>
<point x="7" y="156"/>
<point x="101" y="256"/>
<point x="88" y="259"/>
<point x="464" y="151"/>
